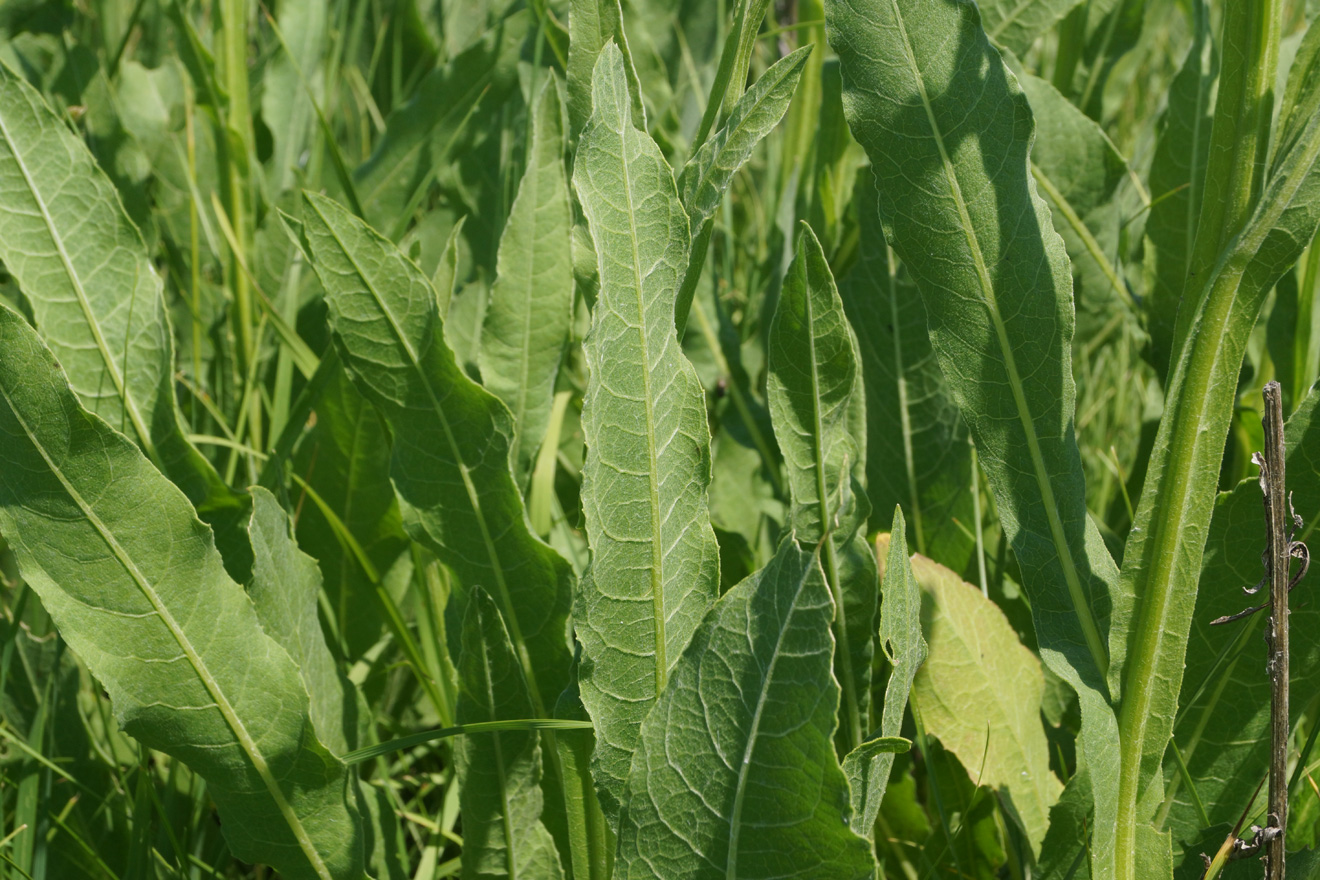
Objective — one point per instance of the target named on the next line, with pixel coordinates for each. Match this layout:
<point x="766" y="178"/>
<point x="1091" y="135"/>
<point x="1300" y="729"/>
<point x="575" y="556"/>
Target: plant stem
<point x="1276" y="634"/>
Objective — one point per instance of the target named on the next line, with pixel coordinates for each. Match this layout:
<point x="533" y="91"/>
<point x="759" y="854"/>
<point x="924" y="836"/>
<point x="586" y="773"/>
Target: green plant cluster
<point x="662" y="439"/>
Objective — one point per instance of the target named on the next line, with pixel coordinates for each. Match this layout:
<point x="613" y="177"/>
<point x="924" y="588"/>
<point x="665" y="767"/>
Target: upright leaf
<point x="1015" y="24"/>
<point x="133" y="580"/>
<point x="450" y="460"/>
<point x="499" y="773"/>
<point x="735" y="774"/>
<point x="1177" y="173"/>
<point x="979" y="693"/>
<point x="95" y="296"/>
<point x="815" y="393"/>
<point x="655" y="564"/>
<point x="911" y="417"/>
<point x="905" y="649"/>
<point x="948" y="130"/>
<point x="530" y="311"/>
<point x="286" y="105"/>
<point x="707" y="175"/>
<point x="591" y="25"/>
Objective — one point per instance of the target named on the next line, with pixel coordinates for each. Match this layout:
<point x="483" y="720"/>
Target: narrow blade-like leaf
<point x="134" y="583"/>
<point x="655" y="562"/>
<point x="815" y="394"/>
<point x="450" y="461"/>
<point x="499" y="773"/>
<point x="905" y="649"/>
<point x="735" y="774"/>
<point x="530" y="311"/>
<point x="95" y="296"/>
<point x="949" y="130"/>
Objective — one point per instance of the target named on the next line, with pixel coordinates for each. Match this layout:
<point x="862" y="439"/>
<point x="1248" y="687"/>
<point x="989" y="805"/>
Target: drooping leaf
<point x="1224" y="710"/>
<point x="95" y="296"/>
<point x="1177" y="173"/>
<point x="499" y="773"/>
<point x="530" y="311"/>
<point x="133" y="580"/>
<point x="979" y="693"/>
<point x="815" y="393"/>
<point x="911" y="417"/>
<point x="1015" y="24"/>
<point x="449" y="464"/>
<point x="707" y="175"/>
<point x="948" y="130"/>
<point x="735" y="774"/>
<point x="655" y="563"/>
<point x="905" y="649"/>
<point x="421" y="135"/>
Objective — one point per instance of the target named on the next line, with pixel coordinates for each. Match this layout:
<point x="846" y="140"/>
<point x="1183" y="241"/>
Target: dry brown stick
<point x="1278" y="524"/>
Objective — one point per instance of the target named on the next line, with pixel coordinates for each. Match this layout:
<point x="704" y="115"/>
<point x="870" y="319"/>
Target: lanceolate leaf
<point x="735" y="774"/>
<point x="815" y="395"/>
<point x="529" y="314"/>
<point x="591" y="25"/>
<point x="655" y="563"/>
<point x="979" y="693"/>
<point x="94" y="294"/>
<point x="1224" y="710"/>
<point x="499" y="773"/>
<point x="905" y="649"/>
<point x="1177" y="173"/>
<point x="450" y="461"/>
<point x="707" y="175"/>
<point x="948" y="131"/>
<point x="917" y="450"/>
<point x="1015" y="24"/>
<point x="133" y="580"/>
<point x="1162" y="560"/>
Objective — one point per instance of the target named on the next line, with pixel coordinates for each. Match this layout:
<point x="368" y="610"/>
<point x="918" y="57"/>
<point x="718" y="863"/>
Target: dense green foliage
<point x="649" y="438"/>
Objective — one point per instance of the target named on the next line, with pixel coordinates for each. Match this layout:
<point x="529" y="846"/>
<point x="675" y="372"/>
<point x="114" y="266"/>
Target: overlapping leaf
<point x="133" y="580"/>
<point x="450" y="460"/>
<point x="735" y="774"/>
<point x="655" y="565"/>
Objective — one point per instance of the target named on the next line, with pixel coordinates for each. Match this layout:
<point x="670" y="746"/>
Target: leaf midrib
<point x="227" y="711"/>
<point x="130" y="405"/>
<point x="473" y="497"/>
<point x="1080" y="607"/>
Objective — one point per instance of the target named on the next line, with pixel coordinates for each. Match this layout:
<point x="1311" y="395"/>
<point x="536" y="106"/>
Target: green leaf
<point x="707" y="175"/>
<point x="979" y="693"/>
<point x="450" y="460"/>
<point x="1224" y="709"/>
<point x="1162" y="562"/>
<point x="421" y="136"/>
<point x="910" y="414"/>
<point x="905" y="649"/>
<point x="1015" y="24"/>
<point x="499" y="774"/>
<point x="530" y="311"/>
<point x="948" y="131"/>
<point x="286" y="105"/>
<point x="133" y="580"/>
<point x="815" y="395"/>
<point x="591" y="25"/>
<point x="655" y="563"/>
<point x="1177" y="175"/>
<point x="95" y="296"/>
<point x="735" y="774"/>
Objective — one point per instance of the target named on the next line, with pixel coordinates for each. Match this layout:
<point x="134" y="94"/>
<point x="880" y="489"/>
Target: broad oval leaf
<point x="655" y="564"/>
<point x="499" y="773"/>
<point x="948" y="130"/>
<point x="815" y="393"/>
<point x="134" y="583"/>
<point x="735" y="774"/>
<point x="530" y="311"/>
<point x="95" y="296"/>
<point x="450" y="460"/>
